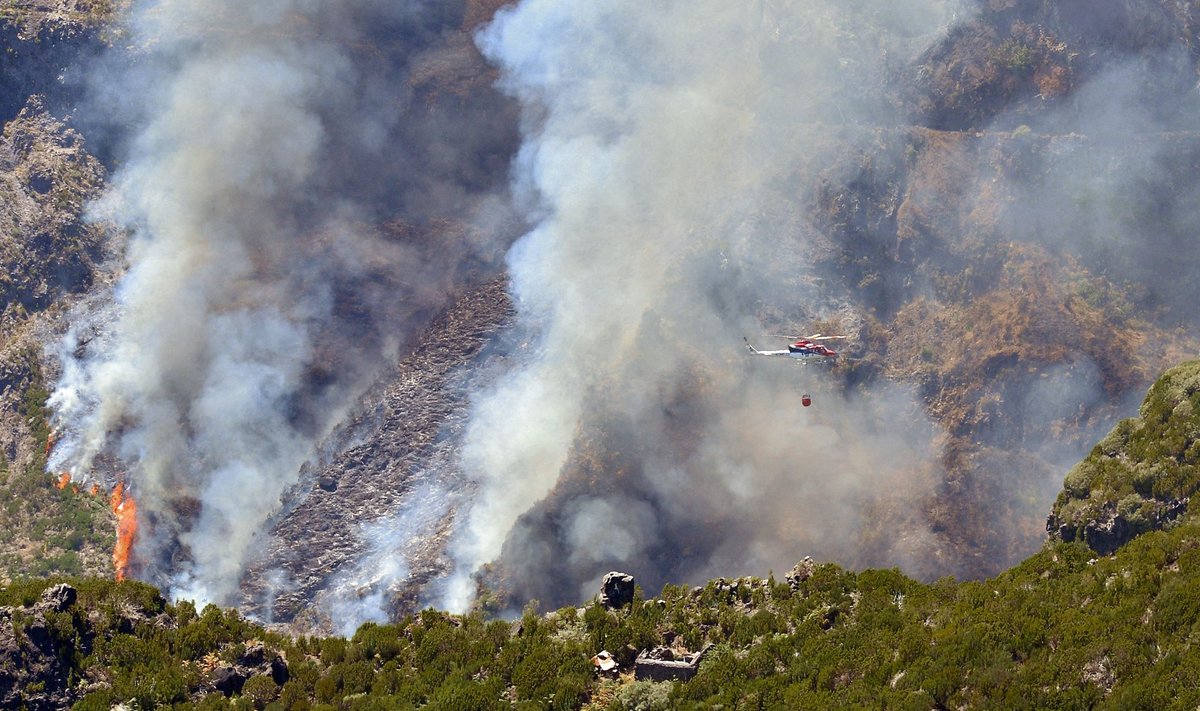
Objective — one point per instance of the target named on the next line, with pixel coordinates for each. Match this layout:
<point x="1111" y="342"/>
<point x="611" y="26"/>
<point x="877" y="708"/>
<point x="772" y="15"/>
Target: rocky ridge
<point x="399" y="440"/>
<point x="1141" y="476"/>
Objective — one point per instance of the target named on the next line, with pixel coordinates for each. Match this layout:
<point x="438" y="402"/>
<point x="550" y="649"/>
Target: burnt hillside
<point x="1005" y="232"/>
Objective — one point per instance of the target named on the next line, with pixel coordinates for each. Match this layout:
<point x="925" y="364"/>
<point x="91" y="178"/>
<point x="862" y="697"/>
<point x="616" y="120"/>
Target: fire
<point x="63" y="480"/>
<point x="125" y="508"/>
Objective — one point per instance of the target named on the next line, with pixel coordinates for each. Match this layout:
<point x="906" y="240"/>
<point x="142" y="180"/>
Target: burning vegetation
<point x="120" y="502"/>
<point x="125" y="509"/>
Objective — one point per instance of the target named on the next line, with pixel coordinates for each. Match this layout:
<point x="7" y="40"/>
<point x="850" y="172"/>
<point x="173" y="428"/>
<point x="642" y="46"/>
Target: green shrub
<point x="261" y="690"/>
<point x="642" y="696"/>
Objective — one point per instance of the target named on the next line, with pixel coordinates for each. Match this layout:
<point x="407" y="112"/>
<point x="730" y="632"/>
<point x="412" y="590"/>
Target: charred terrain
<point x="1001" y="217"/>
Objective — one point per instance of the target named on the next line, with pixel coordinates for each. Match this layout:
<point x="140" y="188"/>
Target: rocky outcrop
<point x="33" y="666"/>
<point x="58" y="598"/>
<point x="46" y="44"/>
<point x="1110" y="528"/>
<point x="256" y="660"/>
<point x="616" y="590"/>
<point x="1142" y="475"/>
<point x="800" y="572"/>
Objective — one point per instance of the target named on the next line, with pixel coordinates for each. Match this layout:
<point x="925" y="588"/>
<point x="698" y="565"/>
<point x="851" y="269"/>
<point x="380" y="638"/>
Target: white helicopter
<point x="800" y="348"/>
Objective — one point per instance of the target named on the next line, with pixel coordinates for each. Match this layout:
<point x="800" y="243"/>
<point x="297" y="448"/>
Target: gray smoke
<point x="1101" y="179"/>
<point x="1111" y="177"/>
<point x="260" y="293"/>
<point x="363" y="592"/>
<point x="693" y="173"/>
<point x="666" y="145"/>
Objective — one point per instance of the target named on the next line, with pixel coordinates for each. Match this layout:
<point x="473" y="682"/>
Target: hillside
<point x="1063" y="629"/>
<point x="50" y="257"/>
<point x="278" y="274"/>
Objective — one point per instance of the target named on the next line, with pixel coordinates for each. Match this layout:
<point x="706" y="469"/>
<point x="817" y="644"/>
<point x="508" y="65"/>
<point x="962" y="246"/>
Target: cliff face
<point x="47" y="44"/>
<point x="46" y="177"/>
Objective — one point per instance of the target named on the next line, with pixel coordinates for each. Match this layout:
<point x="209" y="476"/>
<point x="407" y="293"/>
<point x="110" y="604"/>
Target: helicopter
<point x="802" y="349"/>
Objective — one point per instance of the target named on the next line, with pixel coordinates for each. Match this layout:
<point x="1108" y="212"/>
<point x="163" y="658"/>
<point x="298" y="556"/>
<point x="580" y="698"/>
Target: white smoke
<point x="667" y="147"/>
<point x="364" y="592"/>
<point x="256" y="300"/>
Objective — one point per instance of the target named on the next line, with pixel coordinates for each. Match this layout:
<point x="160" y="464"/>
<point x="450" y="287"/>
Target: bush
<point x="642" y="696"/>
<point x="261" y="690"/>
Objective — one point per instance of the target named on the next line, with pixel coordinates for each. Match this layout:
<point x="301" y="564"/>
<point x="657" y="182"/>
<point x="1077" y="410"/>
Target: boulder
<point x="254" y="655"/>
<point x="616" y="590"/>
<point x="229" y="680"/>
<point x="279" y="671"/>
<point x="801" y="572"/>
<point x="58" y="597"/>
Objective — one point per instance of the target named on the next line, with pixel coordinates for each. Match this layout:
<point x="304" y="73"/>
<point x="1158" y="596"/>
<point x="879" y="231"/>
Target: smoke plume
<point x="269" y="273"/>
<point x="304" y="183"/>
<point x="668" y="147"/>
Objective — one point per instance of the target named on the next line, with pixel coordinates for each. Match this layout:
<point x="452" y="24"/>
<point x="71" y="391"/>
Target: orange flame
<point x="63" y="480"/>
<point x="51" y="440"/>
<point x="125" y="508"/>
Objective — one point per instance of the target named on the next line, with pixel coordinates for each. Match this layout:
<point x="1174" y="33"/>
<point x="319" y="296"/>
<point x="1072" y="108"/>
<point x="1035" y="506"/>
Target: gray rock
<point x="32" y="675"/>
<point x="801" y="572"/>
<point x="254" y="655"/>
<point x="59" y="597"/>
<point x="1108" y="530"/>
<point x="616" y="590"/>
<point x="230" y="680"/>
<point x="279" y="671"/>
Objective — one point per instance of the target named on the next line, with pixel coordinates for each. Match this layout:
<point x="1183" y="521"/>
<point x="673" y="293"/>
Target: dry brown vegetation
<point x="35" y="17"/>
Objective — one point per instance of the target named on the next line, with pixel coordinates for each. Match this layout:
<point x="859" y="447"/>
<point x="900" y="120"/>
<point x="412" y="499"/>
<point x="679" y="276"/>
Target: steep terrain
<point x="396" y="452"/>
<point x="1063" y="629"/>
<point x="1022" y="351"/>
<point x="49" y="255"/>
<point x="1013" y="244"/>
<point x="1141" y="476"/>
<point x="1010" y="247"/>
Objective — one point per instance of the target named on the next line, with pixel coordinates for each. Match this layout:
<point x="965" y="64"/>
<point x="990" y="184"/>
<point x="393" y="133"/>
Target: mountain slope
<point x="1017" y="249"/>
<point x="1063" y="629"/>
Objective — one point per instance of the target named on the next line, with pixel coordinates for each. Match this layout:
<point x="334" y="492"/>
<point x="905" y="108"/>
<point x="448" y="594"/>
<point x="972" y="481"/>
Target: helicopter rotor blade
<point x="814" y="337"/>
